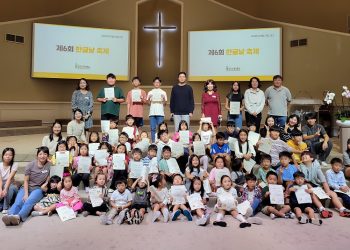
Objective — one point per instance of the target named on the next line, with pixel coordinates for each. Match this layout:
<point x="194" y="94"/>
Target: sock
<point x="241" y="218"/>
<point x="321" y="208"/>
<point x="342" y="209"/>
<point x="219" y="217"/>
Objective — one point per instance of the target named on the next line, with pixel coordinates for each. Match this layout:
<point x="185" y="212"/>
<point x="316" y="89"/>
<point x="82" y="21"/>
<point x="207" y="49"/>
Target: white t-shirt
<point x="231" y="191"/>
<point x="5" y="172"/>
<point x="121" y="199"/>
<point x="251" y="196"/>
<point x="156" y="109"/>
<point x="206" y="136"/>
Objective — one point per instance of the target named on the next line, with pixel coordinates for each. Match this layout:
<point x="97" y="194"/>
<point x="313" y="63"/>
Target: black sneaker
<point x="128" y="218"/>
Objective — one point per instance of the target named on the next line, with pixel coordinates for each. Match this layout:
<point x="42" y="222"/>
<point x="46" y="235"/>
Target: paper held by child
<point x="276" y="194"/>
<point x="265" y="146"/>
<point x="243" y="207"/>
<point x="320" y="193"/>
<point x="235" y="108"/>
<point x="195" y="201"/>
<point x="248" y="165"/>
<point x="143" y="145"/>
<point x="105" y="125"/>
<point x="178" y="193"/>
<point x="206" y="185"/>
<point x="84" y="165"/>
<point x="66" y="213"/>
<point x="57" y="170"/>
<point x="136" y="169"/>
<point x="62" y="159"/>
<point x="173" y="166"/>
<point x="101" y="157"/>
<point x="253" y="137"/>
<point x="339" y="191"/>
<point x="93" y="147"/>
<point x="226" y="201"/>
<point x="156" y="95"/>
<point x="154" y="192"/>
<point x="113" y="136"/>
<point x="119" y="161"/>
<point x="136" y="95"/>
<point x="95" y="197"/>
<point x="206" y="119"/>
<point x="153" y="166"/>
<point x="219" y="173"/>
<point x="302" y="196"/>
<point x="198" y="148"/>
<point x="231" y="143"/>
<point x="109" y="93"/>
<point x="184" y="137"/>
<point x="177" y="149"/>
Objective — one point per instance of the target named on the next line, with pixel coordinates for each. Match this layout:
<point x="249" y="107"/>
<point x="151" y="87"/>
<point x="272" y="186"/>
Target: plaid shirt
<point x="257" y="194"/>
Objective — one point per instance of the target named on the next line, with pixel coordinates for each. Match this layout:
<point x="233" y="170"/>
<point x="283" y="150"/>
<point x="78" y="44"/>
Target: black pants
<point x="316" y="149"/>
<point x="251" y="119"/>
<point x="92" y="210"/>
<point x="77" y="178"/>
<point x="109" y="117"/>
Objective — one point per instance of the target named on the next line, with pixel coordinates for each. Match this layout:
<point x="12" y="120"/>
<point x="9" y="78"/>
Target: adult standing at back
<point x="181" y="101"/>
<point x="254" y="102"/>
<point x="211" y="105"/>
<point x="82" y="99"/>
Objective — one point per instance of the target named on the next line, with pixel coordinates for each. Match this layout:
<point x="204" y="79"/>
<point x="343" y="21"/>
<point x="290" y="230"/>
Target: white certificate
<point x="136" y="169"/>
<point x="339" y="191"/>
<point x="178" y="193"/>
<point x="253" y="137"/>
<point x="184" y="136"/>
<point x="207" y="187"/>
<point x="66" y="213"/>
<point x="235" y="108"/>
<point x="231" y="143"/>
<point x="156" y="95"/>
<point x="219" y="174"/>
<point x="276" y="194"/>
<point x="243" y="207"/>
<point x="113" y="137"/>
<point x="94" y="195"/>
<point x="227" y="201"/>
<point x="129" y="131"/>
<point x="105" y="125"/>
<point x="302" y="196"/>
<point x="154" y="191"/>
<point x="62" y="159"/>
<point x="195" y="201"/>
<point x="198" y="148"/>
<point x="84" y="165"/>
<point x="265" y="146"/>
<point x="320" y="193"/>
<point x="173" y="166"/>
<point x="101" y="157"/>
<point x="248" y="165"/>
<point x="119" y="161"/>
<point x="57" y="170"/>
<point x="93" y="147"/>
<point x="153" y="166"/>
<point x="206" y="119"/>
<point x="109" y="93"/>
<point x="136" y="95"/>
<point x="143" y="145"/>
<point x="177" y="149"/>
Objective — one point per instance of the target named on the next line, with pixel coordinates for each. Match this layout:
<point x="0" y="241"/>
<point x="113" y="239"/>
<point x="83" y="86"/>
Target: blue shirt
<point x="288" y="172"/>
<point x="216" y="149"/>
<point x="335" y="180"/>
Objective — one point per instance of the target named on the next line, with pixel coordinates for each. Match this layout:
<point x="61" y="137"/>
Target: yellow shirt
<point x="302" y="146"/>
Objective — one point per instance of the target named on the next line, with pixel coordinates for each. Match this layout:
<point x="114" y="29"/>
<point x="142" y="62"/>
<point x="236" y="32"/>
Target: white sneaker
<point x="272" y="216"/>
<point x="324" y="164"/>
<point x="4" y="211"/>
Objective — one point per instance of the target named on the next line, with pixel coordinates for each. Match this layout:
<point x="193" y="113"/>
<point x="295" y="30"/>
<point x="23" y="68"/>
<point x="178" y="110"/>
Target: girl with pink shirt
<point x="69" y="195"/>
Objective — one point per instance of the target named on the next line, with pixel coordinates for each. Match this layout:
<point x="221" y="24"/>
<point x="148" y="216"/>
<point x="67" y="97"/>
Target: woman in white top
<point x="157" y="99"/>
<point x="76" y="127"/>
<point x="8" y="189"/>
<point x="55" y="136"/>
<point x="244" y="149"/>
<point x="254" y="102"/>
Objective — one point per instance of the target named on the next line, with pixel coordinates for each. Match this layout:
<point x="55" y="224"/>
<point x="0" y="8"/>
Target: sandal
<point x="326" y="214"/>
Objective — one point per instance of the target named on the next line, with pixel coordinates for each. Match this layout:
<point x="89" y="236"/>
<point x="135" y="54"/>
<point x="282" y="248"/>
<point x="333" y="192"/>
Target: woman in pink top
<point x="211" y="105"/>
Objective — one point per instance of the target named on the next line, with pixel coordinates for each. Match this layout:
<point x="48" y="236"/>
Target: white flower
<point x="343" y="94"/>
<point x="345" y="88"/>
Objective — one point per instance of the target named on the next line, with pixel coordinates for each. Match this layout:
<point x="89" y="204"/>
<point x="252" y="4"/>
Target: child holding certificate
<point x="227" y="203"/>
<point x="163" y="165"/>
<point x="82" y="165"/>
<point x="198" y="200"/>
<point x="300" y="200"/>
<point x="269" y="206"/>
<point x="47" y="205"/>
<point x="203" y="153"/>
<point x="183" y="135"/>
<point x="69" y="195"/>
<point x="194" y="170"/>
<point x="220" y="148"/>
<point x="124" y="139"/>
<point x="131" y="129"/>
<point x="207" y="133"/>
<point x="58" y="158"/>
<point x="105" y="164"/>
<point x="217" y="172"/>
<point x="120" y="174"/>
<point x="243" y="148"/>
<point x="159" y="198"/>
<point x="136" y="168"/>
<point x="177" y="196"/>
<point x="140" y="202"/>
<point x="135" y="99"/>
<point x="98" y="197"/>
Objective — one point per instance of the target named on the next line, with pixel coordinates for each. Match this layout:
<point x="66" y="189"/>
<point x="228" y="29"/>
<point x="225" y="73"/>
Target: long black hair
<point x="190" y="163"/>
<point x="59" y="135"/>
<point x="192" y="187"/>
<point x="13" y="155"/>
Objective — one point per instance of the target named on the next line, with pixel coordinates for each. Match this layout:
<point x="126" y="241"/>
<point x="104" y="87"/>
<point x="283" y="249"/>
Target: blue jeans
<point x="345" y="198"/>
<point x="179" y="118"/>
<point x="235" y="118"/>
<point x="8" y="199"/>
<point x="23" y="209"/>
<point x="256" y="206"/>
<point x="280" y="120"/>
<point x="155" y="120"/>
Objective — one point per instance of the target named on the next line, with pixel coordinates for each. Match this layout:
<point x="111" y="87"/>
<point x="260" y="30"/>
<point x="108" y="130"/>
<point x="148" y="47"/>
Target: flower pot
<point x="344" y="133"/>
